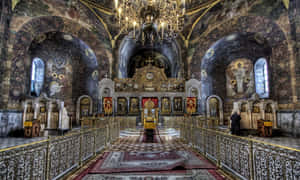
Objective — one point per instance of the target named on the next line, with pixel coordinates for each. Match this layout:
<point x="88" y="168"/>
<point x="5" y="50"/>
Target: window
<point x="261" y="78"/>
<point x="37" y="76"/>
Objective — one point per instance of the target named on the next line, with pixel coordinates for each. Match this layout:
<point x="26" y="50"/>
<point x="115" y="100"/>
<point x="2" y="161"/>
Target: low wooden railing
<point x="245" y="158"/>
<point x="56" y="156"/>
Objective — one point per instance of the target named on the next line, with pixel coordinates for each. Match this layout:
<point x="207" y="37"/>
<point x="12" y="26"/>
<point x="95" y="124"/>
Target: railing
<point x="54" y="157"/>
<point x="244" y="157"/>
<point x="127" y="122"/>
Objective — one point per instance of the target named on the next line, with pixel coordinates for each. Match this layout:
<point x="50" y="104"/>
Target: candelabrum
<point x="164" y="18"/>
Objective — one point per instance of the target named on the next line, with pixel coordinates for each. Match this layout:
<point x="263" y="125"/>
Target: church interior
<point x="150" y="89"/>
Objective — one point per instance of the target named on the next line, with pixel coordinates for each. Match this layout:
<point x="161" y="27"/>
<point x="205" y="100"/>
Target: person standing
<point x="235" y="123"/>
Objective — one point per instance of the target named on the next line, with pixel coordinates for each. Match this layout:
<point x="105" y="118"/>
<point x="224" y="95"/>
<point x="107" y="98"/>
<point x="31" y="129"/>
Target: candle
<point x="183" y="7"/>
<point x="120" y="10"/>
<point x="134" y="24"/>
<point x="177" y="21"/>
<point x="116" y="4"/>
<point x="127" y="23"/>
<point x="162" y="30"/>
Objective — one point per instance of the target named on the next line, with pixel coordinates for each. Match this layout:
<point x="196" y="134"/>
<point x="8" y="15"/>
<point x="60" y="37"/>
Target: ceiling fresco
<point x="109" y="4"/>
<point x="195" y="11"/>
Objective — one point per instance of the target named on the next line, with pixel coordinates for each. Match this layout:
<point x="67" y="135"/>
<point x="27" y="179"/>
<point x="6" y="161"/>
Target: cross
<point x="149" y="60"/>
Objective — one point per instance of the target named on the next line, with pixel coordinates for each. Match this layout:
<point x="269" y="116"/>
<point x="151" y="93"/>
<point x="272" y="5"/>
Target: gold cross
<point x="149" y="60"/>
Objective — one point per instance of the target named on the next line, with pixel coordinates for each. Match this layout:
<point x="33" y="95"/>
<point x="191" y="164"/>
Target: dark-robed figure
<point x="235" y="123"/>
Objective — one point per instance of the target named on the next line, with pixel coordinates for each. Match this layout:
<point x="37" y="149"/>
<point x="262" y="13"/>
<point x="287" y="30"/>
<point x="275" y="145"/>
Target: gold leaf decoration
<point x="14" y="3"/>
<point x="286" y="3"/>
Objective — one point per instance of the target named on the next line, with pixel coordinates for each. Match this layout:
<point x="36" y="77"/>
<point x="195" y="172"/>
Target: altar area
<point x="124" y="98"/>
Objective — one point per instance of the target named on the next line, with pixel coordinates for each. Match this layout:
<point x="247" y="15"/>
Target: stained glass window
<point x="37" y="76"/>
<point x="261" y="78"/>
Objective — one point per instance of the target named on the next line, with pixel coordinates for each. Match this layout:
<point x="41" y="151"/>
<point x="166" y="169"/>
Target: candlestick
<point x="134" y="24"/>
<point x="162" y="30"/>
<point x="116" y="4"/>
<point x="120" y="10"/>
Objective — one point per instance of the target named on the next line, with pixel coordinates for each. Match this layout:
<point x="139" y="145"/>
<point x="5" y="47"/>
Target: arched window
<point x="261" y="78"/>
<point x="37" y="76"/>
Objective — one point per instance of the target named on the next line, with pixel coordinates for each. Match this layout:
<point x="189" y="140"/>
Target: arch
<point x="268" y="108"/>
<point x="221" y="54"/>
<point x="244" y="107"/>
<point x="105" y="83"/>
<point x="256" y="107"/>
<point x="78" y="107"/>
<point x="221" y="114"/>
<point x="129" y="47"/>
<point x="193" y="92"/>
<point x="37" y="76"/>
<point x="192" y="83"/>
<point x="42" y="25"/>
<point x="249" y="24"/>
<point x="261" y="78"/>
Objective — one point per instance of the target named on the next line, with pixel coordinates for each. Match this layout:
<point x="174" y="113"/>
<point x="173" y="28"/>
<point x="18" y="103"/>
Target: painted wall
<point x="289" y="122"/>
<point x="10" y="120"/>
<point x="30" y="21"/>
<point x="71" y="68"/>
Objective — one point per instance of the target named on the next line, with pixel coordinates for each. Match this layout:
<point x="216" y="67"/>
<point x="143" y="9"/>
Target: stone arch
<point x="221" y="114"/>
<point x="189" y="85"/>
<point x="129" y="47"/>
<point x="37" y="27"/>
<point x="78" y="107"/>
<point x="222" y="53"/>
<point x="263" y="31"/>
<point x="105" y="84"/>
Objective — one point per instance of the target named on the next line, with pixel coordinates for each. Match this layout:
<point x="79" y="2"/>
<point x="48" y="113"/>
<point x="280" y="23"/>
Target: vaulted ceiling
<point x="198" y="11"/>
<point x="201" y="15"/>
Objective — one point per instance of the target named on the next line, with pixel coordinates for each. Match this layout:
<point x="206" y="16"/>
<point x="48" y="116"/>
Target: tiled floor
<point x="130" y="142"/>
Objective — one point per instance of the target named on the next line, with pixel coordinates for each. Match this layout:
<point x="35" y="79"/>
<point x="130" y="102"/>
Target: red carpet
<point x="148" y="161"/>
<point x="156" y="138"/>
<point x="119" y="162"/>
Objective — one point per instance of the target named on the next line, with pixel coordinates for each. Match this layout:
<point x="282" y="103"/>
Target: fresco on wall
<point x="254" y="48"/>
<point x="63" y="55"/>
<point x="239" y="78"/>
<point x="265" y="25"/>
<point x="29" y="22"/>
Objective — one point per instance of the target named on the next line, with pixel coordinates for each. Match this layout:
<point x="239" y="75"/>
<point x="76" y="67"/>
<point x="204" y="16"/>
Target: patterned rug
<point x="119" y="162"/>
<point x="167" y="158"/>
<point x="195" y="174"/>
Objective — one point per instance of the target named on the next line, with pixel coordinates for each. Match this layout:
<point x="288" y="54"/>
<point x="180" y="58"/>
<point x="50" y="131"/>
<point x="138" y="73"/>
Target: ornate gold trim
<point x="253" y="140"/>
<point x="14" y="4"/>
<point x="200" y="17"/>
<point x="100" y="8"/>
<point x="286" y="3"/>
<point x="98" y="17"/>
<point x="199" y="8"/>
<point x="23" y="145"/>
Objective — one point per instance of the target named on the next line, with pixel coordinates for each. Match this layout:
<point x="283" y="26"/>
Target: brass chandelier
<point x="163" y="18"/>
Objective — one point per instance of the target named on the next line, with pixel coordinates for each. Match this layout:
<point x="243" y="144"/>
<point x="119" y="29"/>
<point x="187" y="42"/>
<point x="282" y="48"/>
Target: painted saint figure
<point x="240" y="73"/>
